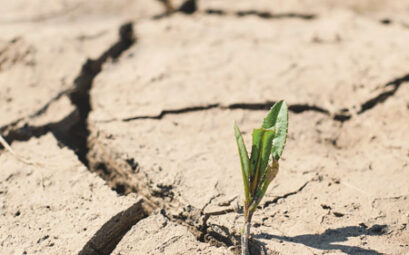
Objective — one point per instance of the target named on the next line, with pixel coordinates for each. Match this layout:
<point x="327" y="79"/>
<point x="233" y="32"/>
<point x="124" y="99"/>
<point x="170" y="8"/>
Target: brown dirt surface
<point x="53" y="206"/>
<point x="120" y="117"/>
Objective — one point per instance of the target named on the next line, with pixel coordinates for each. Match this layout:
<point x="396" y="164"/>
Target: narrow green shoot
<point x="244" y="160"/>
<point x="261" y="168"/>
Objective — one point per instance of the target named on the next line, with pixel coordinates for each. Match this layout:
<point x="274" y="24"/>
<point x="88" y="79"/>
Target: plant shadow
<point x="327" y="240"/>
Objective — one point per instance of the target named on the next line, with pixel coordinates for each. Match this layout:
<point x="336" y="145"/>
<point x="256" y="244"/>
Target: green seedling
<point x="262" y="167"/>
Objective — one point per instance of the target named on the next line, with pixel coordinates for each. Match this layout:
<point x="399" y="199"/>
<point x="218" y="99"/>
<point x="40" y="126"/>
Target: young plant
<point x="261" y="168"/>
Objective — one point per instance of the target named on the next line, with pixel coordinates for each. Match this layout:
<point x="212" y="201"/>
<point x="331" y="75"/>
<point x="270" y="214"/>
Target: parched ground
<point x="120" y="122"/>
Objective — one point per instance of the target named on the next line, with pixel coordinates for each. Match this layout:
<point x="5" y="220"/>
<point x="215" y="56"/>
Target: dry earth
<point x="120" y="123"/>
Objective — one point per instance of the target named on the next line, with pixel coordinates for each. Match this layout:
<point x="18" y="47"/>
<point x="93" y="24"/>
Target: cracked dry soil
<point x="121" y="117"/>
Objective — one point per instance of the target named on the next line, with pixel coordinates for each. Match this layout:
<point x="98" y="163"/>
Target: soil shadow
<point x="325" y="240"/>
<point x="110" y="234"/>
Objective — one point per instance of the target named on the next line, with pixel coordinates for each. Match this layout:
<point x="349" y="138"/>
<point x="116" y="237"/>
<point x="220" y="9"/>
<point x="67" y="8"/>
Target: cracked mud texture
<point x="43" y="46"/>
<point x="151" y="113"/>
<point x="54" y="206"/>
<point x="282" y="59"/>
<point x="157" y="235"/>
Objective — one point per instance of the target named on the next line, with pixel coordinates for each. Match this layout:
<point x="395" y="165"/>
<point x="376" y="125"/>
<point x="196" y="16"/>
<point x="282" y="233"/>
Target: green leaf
<point x="244" y="160"/>
<point x="255" y="150"/>
<point x="271" y="173"/>
<point x="262" y="143"/>
<point x="277" y="119"/>
<point x="267" y="142"/>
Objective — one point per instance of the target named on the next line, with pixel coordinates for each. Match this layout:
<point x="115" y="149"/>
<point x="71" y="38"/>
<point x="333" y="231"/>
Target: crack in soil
<point x="391" y="88"/>
<point x="196" y="222"/>
<point x="194" y="219"/>
<point x="18" y="131"/>
<point x="275" y="200"/>
<point x="80" y="97"/>
<point x="110" y="234"/>
<point x="262" y="14"/>
<point x="191" y="6"/>
<point x="340" y="115"/>
<point x="47" y="105"/>
<point x="171" y="112"/>
<point x="295" y="108"/>
<point x="71" y="131"/>
<point x="188" y="7"/>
